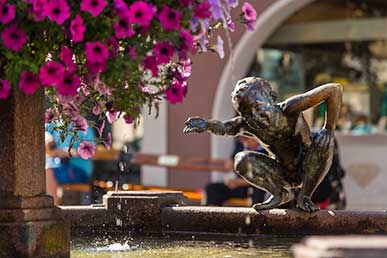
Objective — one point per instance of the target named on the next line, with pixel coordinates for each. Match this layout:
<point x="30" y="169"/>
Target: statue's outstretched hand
<point x="195" y="124"/>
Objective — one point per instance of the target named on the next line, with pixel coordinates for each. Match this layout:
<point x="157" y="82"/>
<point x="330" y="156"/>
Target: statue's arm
<point x="230" y="127"/>
<point x="331" y="93"/>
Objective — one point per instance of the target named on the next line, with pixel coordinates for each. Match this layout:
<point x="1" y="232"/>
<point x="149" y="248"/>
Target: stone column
<point x="30" y="225"/>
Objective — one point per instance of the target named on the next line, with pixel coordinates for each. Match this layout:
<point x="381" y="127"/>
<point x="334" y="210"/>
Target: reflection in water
<point x="174" y="248"/>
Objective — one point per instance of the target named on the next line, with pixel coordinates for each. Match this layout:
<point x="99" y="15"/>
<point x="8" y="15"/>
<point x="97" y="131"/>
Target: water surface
<point x="192" y="247"/>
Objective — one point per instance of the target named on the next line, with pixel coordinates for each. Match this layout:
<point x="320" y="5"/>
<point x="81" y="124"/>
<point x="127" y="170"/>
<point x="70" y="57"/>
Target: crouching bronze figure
<point x="298" y="160"/>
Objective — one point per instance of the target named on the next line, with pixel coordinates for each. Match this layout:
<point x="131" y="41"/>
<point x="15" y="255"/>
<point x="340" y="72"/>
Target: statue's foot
<point x="306" y="204"/>
<point x="271" y="203"/>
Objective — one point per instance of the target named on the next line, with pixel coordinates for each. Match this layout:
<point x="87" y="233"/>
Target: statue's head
<point x="253" y="99"/>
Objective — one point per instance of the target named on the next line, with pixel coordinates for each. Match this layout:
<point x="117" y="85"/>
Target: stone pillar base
<point x="33" y="227"/>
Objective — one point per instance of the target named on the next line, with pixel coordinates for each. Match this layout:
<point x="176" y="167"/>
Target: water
<point x="183" y="248"/>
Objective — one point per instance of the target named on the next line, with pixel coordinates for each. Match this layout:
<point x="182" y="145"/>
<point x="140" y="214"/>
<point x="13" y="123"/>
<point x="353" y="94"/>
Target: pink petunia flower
<point x="100" y="128"/>
<point x="86" y="150"/>
<point x="7" y="13"/>
<point x="79" y="123"/>
<point x="185" y="3"/>
<point x="150" y="63"/>
<point x="57" y="10"/>
<point x="123" y="27"/>
<point x="249" y="12"/>
<point x="132" y="52"/>
<point x="39" y="9"/>
<point x="49" y="116"/>
<point x="97" y="110"/>
<point x="175" y="93"/>
<point x="95" y="7"/>
<point x="112" y="116"/>
<point x="13" y="38"/>
<point x="96" y="51"/>
<point x="120" y="7"/>
<point x="69" y="85"/>
<point x="4" y="89"/>
<point x="186" y="44"/>
<point x="141" y="13"/>
<point x="51" y="73"/>
<point x="128" y="119"/>
<point x="113" y="46"/>
<point x="202" y="10"/>
<point x="169" y="18"/>
<point x="77" y="29"/>
<point x="29" y="82"/>
<point x="163" y="52"/>
<point x="96" y="66"/>
<point x="66" y="56"/>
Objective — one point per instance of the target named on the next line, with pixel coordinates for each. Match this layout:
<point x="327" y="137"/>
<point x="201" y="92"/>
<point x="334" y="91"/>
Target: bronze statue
<point x="298" y="160"/>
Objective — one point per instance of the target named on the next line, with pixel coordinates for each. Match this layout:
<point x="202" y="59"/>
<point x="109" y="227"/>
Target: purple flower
<point x="150" y="63"/>
<point x="169" y="18"/>
<point x="163" y="52"/>
<point x="13" y="38"/>
<point x="4" y="89"/>
<point x="49" y="116"/>
<point x="97" y="110"/>
<point x="69" y="85"/>
<point x="123" y="27"/>
<point x="219" y="47"/>
<point x="231" y="25"/>
<point x="132" y="52"/>
<point x="120" y="7"/>
<point x="231" y="4"/>
<point x="186" y="43"/>
<point x="95" y="7"/>
<point x="100" y="128"/>
<point x="141" y="13"/>
<point x="113" y="46"/>
<point x="7" y="13"/>
<point x="57" y="10"/>
<point x="96" y="51"/>
<point x="250" y="25"/>
<point x="66" y="56"/>
<point x="86" y="150"/>
<point x="185" y="3"/>
<point x="249" y="12"/>
<point x="112" y="116"/>
<point x="128" y="119"/>
<point x="216" y="9"/>
<point x="29" y="82"/>
<point x="79" y="123"/>
<point x="39" y="9"/>
<point x="51" y="73"/>
<point x="175" y="93"/>
<point x="77" y="29"/>
<point x="202" y="10"/>
<point x="96" y="67"/>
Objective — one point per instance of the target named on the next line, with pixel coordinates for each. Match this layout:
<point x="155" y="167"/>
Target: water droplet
<point x="247" y="220"/>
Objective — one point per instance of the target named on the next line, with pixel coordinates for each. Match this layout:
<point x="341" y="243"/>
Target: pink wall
<point x="206" y="71"/>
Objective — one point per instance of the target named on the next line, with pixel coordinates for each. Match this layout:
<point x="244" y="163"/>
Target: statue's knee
<point x="243" y="163"/>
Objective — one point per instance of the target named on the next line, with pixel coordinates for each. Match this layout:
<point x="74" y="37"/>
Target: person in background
<point x="363" y="126"/>
<point x="64" y="166"/>
<point x="217" y="193"/>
